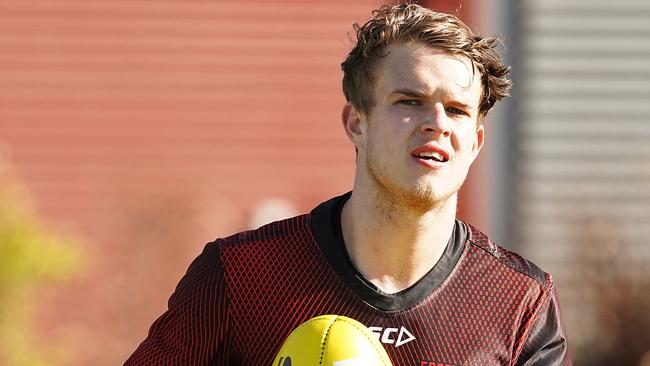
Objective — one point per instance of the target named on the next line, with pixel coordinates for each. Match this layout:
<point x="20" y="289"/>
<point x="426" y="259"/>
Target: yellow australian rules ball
<point x="332" y="340"/>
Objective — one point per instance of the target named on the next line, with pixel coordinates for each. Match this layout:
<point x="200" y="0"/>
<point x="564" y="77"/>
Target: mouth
<point x="430" y="154"/>
<point x="437" y="157"/>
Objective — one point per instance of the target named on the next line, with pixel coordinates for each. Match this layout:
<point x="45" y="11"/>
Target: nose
<point x="436" y="121"/>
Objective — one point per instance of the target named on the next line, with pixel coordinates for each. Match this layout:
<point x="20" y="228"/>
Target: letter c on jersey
<point x="385" y="338"/>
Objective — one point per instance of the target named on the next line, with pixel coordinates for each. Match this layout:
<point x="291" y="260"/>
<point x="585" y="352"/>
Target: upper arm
<point x="194" y="330"/>
<point x="546" y="343"/>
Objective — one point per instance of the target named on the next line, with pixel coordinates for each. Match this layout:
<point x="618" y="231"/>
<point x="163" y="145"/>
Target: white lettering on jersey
<point x="395" y="336"/>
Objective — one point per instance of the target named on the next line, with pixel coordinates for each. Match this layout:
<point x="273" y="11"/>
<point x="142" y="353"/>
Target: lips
<point x="430" y="153"/>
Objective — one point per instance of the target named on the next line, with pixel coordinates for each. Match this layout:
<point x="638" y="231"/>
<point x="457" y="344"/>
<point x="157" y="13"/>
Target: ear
<point x="480" y="138"/>
<point x="354" y="124"/>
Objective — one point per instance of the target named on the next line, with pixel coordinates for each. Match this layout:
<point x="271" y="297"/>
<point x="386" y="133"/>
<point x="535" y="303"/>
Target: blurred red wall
<point x="147" y="128"/>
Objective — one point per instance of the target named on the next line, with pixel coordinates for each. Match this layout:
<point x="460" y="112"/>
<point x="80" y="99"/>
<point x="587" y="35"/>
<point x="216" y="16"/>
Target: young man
<point x="391" y="253"/>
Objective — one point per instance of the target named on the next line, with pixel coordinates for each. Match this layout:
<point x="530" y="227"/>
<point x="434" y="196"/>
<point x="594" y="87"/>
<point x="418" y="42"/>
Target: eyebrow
<point x="422" y="93"/>
<point x="410" y="92"/>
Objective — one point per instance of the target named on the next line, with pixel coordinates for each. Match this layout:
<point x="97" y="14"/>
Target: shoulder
<point x="251" y="247"/>
<point x="272" y="247"/>
<point x="269" y="235"/>
<point x="507" y="258"/>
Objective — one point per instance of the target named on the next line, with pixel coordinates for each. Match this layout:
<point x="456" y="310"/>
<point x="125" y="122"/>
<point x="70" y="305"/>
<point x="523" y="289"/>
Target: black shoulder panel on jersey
<point x="510" y="259"/>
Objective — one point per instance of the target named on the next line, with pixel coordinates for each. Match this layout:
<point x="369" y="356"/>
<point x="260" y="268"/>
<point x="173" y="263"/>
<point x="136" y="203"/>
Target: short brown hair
<point x="413" y="23"/>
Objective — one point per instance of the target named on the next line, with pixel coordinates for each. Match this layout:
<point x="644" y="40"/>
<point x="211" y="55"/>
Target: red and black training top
<point x="479" y="305"/>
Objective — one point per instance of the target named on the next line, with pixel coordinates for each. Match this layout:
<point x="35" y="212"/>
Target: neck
<point x="392" y="245"/>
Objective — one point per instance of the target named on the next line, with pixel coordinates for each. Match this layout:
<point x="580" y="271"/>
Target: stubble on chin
<point x="418" y="198"/>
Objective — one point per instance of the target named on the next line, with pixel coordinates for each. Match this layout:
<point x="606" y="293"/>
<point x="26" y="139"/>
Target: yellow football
<point x="332" y="340"/>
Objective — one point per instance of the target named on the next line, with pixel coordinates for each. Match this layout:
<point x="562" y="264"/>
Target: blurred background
<point x="134" y="132"/>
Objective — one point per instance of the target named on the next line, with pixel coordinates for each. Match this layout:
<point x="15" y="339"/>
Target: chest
<point x="449" y="329"/>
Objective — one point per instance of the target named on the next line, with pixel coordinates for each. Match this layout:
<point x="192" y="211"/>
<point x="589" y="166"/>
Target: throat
<point x="393" y="249"/>
<point x="393" y="284"/>
<point x="392" y="269"/>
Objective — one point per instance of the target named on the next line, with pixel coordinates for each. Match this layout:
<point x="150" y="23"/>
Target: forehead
<point x="429" y="70"/>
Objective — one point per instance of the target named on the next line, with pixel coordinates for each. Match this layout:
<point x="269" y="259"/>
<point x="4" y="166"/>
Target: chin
<point x="420" y="194"/>
<point x="425" y="198"/>
<point x="420" y="197"/>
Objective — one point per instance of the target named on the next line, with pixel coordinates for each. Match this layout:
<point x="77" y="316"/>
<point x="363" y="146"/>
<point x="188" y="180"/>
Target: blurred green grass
<point x="30" y="256"/>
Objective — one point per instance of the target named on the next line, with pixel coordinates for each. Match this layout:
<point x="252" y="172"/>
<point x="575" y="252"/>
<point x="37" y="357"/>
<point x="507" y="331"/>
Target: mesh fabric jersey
<point x="479" y="305"/>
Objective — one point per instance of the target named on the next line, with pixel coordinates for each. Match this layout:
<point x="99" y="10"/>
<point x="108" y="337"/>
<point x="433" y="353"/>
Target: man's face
<point x="419" y="139"/>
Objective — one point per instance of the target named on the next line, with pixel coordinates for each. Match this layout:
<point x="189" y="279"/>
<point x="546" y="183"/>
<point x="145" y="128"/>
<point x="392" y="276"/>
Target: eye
<point x="456" y="111"/>
<point x="409" y="102"/>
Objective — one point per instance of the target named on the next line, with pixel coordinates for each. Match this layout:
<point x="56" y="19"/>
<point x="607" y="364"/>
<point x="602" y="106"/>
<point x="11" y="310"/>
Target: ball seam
<point x="324" y="342"/>
<point x="363" y="331"/>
